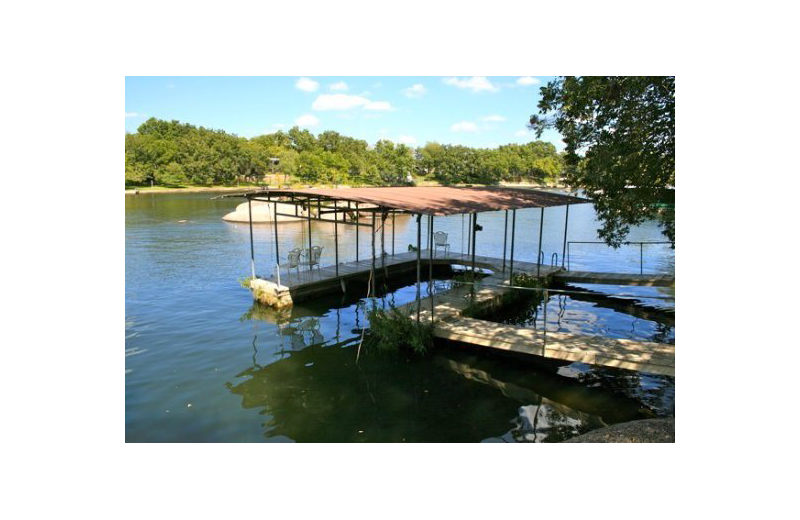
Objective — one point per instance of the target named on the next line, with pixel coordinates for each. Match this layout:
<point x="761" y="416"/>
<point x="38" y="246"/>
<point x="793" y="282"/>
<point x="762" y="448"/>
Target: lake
<point x="206" y="364"/>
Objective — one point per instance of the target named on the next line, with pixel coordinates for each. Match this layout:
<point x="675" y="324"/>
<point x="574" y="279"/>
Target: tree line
<point x="171" y="153"/>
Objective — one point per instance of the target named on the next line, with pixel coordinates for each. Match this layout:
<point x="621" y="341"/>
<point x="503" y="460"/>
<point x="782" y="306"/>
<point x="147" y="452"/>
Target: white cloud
<point x="307" y="85"/>
<point x="131" y="114"/>
<point x="475" y="83"/>
<point x="338" y="102"/>
<point x="527" y="81"/>
<point x="522" y="133"/>
<point x="339" y="86"/>
<point x="306" y="120"/>
<point x="407" y="139"/>
<point x="464" y="126"/>
<point x="348" y="102"/>
<point x="378" y="105"/>
<point x="493" y="119"/>
<point x="416" y="90"/>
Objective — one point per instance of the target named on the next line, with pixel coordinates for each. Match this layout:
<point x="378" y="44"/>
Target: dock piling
<point x="564" y="250"/>
<point x="474" y="231"/>
<point x="277" y="253"/>
<point x="505" y="237"/>
<point x="419" y="258"/>
<point x="539" y="257"/>
<point x="252" y="250"/>
<point x="336" y="235"/>
<point x="372" y="272"/>
<point x="513" y="231"/>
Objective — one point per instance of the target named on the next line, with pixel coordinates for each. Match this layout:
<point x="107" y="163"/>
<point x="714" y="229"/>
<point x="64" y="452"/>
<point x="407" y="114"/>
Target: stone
<point x="270" y="293"/>
<point x="262" y="212"/>
<point x="645" y="430"/>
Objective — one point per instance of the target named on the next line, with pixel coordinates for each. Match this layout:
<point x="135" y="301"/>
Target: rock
<point x="645" y="430"/>
<point x="262" y="212"/>
<point x="270" y="293"/>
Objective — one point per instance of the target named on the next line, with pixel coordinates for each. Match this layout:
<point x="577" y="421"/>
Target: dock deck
<point x="446" y="309"/>
<point x="653" y="280"/>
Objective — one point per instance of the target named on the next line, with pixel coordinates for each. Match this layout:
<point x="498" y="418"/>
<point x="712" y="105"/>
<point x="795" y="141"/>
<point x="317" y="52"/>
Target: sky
<point x="475" y="111"/>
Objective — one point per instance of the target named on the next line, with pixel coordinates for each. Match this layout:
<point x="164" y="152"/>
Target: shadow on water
<point x="315" y="392"/>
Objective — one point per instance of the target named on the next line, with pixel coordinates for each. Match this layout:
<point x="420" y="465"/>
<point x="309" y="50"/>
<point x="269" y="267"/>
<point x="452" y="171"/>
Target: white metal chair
<point x="440" y="240"/>
<point x="293" y="261"/>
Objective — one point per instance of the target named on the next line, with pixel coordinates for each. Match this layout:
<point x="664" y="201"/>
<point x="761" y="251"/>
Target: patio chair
<point x="293" y="260"/>
<point x="313" y="255"/>
<point x="440" y="240"/>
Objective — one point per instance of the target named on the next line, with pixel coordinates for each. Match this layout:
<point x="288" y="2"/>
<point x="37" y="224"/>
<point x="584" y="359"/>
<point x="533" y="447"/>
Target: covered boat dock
<point x="371" y="207"/>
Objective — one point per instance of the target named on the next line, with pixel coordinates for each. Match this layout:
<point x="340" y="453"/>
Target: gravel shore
<point x="646" y="430"/>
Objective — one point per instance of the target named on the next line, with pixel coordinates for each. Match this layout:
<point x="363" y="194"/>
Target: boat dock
<point x="307" y="283"/>
<point x="450" y="324"/>
<point x="446" y="310"/>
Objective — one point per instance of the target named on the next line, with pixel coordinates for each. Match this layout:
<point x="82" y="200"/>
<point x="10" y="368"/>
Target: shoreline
<point x="212" y="189"/>
<point x="190" y="189"/>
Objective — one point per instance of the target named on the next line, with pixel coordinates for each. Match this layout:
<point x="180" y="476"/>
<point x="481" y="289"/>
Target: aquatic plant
<point x="514" y="305"/>
<point x="245" y="282"/>
<point x="392" y="330"/>
<point x="467" y="276"/>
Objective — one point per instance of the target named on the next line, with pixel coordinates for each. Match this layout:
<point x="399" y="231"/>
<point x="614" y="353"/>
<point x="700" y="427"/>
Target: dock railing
<point x="640" y="244"/>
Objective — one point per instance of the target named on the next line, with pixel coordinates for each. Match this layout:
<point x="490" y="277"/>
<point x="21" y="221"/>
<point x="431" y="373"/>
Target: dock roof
<point x="436" y="200"/>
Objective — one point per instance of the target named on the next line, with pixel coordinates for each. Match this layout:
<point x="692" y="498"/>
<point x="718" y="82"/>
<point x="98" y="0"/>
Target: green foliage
<point x="245" y="282"/>
<point x="453" y="164"/>
<point x="392" y="330"/>
<point x="527" y="280"/>
<point x="468" y="276"/>
<point x="515" y="305"/>
<point x="620" y="145"/>
<point x="171" y="153"/>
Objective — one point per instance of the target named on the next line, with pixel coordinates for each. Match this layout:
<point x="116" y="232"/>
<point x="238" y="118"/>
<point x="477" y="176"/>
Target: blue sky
<point x="470" y="110"/>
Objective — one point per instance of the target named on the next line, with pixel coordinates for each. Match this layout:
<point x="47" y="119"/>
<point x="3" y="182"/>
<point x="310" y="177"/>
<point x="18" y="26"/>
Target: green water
<point x="204" y="364"/>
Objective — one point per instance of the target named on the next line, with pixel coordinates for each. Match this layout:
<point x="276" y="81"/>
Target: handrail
<point x="554" y="260"/>
<point x="627" y="243"/>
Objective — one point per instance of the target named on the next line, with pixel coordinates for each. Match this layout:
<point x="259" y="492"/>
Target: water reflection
<point x="312" y="390"/>
<point x="190" y="329"/>
<point x="593" y="313"/>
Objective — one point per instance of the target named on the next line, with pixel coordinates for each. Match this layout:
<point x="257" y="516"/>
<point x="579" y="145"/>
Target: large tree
<point x="620" y="145"/>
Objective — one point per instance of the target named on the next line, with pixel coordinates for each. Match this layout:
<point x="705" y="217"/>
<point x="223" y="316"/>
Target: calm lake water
<point x="205" y="364"/>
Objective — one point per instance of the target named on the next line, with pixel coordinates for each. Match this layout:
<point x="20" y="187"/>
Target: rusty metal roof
<point x="437" y="200"/>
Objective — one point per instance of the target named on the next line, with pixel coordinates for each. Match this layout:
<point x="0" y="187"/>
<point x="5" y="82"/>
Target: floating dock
<point x="446" y="308"/>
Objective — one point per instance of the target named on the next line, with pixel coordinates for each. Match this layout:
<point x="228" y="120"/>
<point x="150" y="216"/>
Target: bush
<point x="392" y="330"/>
<point x="514" y="306"/>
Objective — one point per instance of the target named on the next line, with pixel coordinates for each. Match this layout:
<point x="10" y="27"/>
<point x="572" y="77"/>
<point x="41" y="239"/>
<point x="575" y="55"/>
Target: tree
<point x="620" y="145"/>
<point x="170" y="152"/>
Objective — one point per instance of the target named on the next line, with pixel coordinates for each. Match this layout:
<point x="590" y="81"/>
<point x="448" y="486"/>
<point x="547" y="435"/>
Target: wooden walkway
<point x="615" y="278"/>
<point x="446" y="309"/>
<point x="308" y="284"/>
